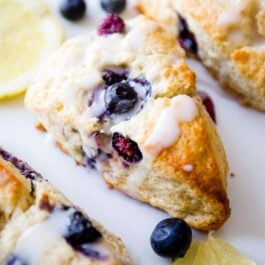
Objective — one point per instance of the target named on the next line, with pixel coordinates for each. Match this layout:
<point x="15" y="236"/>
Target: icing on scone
<point x="161" y="134"/>
<point x="41" y="236"/>
<point x="40" y="226"/>
<point x="166" y="132"/>
<point x="63" y="223"/>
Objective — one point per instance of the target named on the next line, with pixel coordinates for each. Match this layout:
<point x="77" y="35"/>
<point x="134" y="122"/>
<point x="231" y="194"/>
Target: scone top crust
<point x="231" y="24"/>
<point x="161" y="11"/>
<point x="76" y="68"/>
<point x="181" y="149"/>
<point x="235" y="31"/>
<point x="36" y="219"/>
<point x="231" y="37"/>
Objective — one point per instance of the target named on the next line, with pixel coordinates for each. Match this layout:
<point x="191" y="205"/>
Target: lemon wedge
<point x="189" y="256"/>
<point x="28" y="34"/>
<point x="215" y="251"/>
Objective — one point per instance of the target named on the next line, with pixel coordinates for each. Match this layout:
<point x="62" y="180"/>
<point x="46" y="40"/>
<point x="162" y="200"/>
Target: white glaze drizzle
<point x="166" y="131"/>
<point x="35" y="240"/>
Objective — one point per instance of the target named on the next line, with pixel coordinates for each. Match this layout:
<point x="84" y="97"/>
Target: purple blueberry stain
<point x="80" y="231"/>
<point x="22" y="166"/>
<point x="186" y="37"/>
<point x="209" y="104"/>
<point x="114" y="75"/>
<point x="110" y="25"/>
<point x="126" y="148"/>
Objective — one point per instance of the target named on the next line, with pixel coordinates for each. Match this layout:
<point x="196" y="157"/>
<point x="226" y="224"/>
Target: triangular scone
<point x="230" y="37"/>
<point x="73" y="97"/>
<point x="38" y="225"/>
<point x="183" y="170"/>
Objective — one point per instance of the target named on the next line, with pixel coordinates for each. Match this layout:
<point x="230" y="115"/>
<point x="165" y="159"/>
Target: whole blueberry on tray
<point x="80" y="231"/>
<point x="171" y="238"/>
<point x="111" y="24"/>
<point x="120" y="98"/>
<point x="126" y="148"/>
<point x="113" y="6"/>
<point x="73" y="9"/>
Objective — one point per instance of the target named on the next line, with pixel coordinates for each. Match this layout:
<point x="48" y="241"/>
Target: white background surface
<point x="243" y="134"/>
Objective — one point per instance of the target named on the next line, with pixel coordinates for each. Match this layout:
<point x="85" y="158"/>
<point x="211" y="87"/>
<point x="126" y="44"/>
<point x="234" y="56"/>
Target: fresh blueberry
<point x="113" y="6"/>
<point x="14" y="260"/>
<point x="111" y="24"/>
<point x="120" y="98"/>
<point x="80" y="231"/>
<point x="73" y="9"/>
<point x="208" y="103"/>
<point x="112" y="76"/>
<point x="171" y="238"/>
<point x="126" y="148"/>
<point x="186" y="37"/>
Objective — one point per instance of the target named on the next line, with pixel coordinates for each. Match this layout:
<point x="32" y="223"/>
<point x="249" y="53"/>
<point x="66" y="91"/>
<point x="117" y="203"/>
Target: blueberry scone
<point x="230" y="37"/>
<point x="120" y="101"/>
<point x="38" y="225"/>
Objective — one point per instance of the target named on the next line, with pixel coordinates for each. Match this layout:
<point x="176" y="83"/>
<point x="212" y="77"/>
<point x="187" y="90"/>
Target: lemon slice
<point x="190" y="255"/>
<point x="213" y="252"/>
<point x="28" y="34"/>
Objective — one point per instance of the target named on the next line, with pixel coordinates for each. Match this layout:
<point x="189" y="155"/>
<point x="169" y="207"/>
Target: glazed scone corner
<point x="230" y="36"/>
<point x="35" y="218"/>
<point x="161" y="147"/>
<point x="60" y="91"/>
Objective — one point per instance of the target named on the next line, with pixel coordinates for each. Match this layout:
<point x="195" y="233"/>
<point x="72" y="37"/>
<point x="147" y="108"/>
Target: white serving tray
<point x="242" y="131"/>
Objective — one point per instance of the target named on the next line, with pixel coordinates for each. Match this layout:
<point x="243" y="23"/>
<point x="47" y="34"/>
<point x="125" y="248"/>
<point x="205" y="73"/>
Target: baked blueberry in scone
<point x="230" y="37"/>
<point x="120" y="101"/>
<point x="38" y="225"/>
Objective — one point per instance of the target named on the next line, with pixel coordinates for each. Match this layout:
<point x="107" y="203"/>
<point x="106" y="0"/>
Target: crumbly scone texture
<point x="60" y="93"/>
<point x="26" y="202"/>
<point x="230" y="37"/>
<point x="198" y="195"/>
<point x="59" y="97"/>
<point x="166" y="16"/>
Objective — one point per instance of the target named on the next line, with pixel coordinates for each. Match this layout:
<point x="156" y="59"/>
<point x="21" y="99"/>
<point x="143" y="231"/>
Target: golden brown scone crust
<point x="25" y="202"/>
<point x="166" y="16"/>
<point x="227" y="32"/>
<point x="198" y="196"/>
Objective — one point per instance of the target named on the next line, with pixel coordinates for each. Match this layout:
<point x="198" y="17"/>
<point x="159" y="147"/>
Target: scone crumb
<point x="61" y="147"/>
<point x="39" y="126"/>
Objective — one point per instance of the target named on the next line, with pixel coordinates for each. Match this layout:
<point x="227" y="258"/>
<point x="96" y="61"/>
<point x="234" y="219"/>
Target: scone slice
<point x="38" y="225"/>
<point x="171" y="156"/>
<point x="95" y="84"/>
<point x="230" y="38"/>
